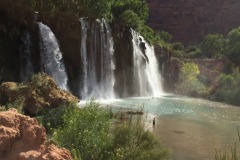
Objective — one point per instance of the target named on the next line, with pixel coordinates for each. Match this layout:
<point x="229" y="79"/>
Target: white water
<point x="84" y="28"/>
<point x="98" y="64"/>
<point x="26" y="66"/>
<point x="51" y="56"/>
<point x="146" y="73"/>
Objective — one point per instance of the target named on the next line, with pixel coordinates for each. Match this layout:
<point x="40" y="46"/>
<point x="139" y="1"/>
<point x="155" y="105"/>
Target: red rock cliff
<point x="21" y="138"/>
<point x="189" y="20"/>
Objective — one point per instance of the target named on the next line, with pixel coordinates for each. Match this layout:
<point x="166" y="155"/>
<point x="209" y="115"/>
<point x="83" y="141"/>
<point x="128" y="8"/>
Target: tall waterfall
<point x="146" y="73"/>
<point x="51" y="56"/>
<point x="26" y="67"/>
<point x="97" y="60"/>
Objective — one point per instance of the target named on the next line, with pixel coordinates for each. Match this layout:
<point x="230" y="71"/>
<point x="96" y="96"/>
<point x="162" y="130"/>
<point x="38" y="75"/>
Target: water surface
<point x="192" y="128"/>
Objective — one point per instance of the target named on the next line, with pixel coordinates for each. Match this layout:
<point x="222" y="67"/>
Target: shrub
<point x="53" y="118"/>
<point x="85" y="131"/>
<point x="178" y="46"/>
<point x="17" y="103"/>
<point x="132" y="141"/>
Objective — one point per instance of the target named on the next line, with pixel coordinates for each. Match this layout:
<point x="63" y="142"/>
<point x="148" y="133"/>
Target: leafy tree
<point x="178" y="46"/>
<point x="165" y="36"/>
<point x="212" y="45"/>
<point x="189" y="82"/>
<point x="229" y="88"/>
<point x="131" y="19"/>
<point x="233" y="44"/>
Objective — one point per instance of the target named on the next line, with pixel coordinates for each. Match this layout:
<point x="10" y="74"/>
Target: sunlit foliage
<point x="189" y="78"/>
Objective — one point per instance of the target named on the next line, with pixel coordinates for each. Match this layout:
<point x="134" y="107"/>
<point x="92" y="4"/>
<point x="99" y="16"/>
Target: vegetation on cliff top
<point x="222" y="82"/>
<point x="40" y="93"/>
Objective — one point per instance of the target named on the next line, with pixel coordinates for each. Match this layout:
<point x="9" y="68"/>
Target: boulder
<point x="22" y="138"/>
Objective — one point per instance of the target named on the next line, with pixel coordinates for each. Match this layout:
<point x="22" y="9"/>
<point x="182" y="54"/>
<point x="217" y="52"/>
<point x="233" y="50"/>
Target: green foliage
<point x="178" y="49"/>
<point x="88" y="134"/>
<point x="178" y="46"/>
<point x="17" y="103"/>
<point x="212" y="45"/>
<point x="228" y="88"/>
<point x="137" y="6"/>
<point x="233" y="44"/>
<point x="188" y="78"/>
<point x="131" y="142"/>
<point x="41" y="83"/>
<point x="131" y="19"/>
<point x="53" y="118"/>
<point x="86" y="130"/>
<point x="193" y="51"/>
<point x="165" y="36"/>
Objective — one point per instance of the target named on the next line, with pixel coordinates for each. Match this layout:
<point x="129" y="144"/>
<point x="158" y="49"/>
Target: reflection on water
<point x="191" y="128"/>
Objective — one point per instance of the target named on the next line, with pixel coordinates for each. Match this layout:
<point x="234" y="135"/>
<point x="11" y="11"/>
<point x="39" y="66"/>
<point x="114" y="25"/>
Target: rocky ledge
<point x="22" y="138"/>
<point x="41" y="92"/>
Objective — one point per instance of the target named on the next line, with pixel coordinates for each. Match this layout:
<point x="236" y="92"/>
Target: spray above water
<point x="51" y="56"/>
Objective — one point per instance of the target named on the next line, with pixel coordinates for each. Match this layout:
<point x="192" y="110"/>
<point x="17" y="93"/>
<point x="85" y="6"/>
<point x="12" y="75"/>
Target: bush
<point x="178" y="46"/>
<point x="53" y="118"/>
<point x="132" y="141"/>
<point x="229" y="88"/>
<point x="85" y="131"/>
<point x="88" y="134"/>
<point x="17" y="103"/>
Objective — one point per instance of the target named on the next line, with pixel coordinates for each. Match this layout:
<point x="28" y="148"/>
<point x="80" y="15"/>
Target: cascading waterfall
<point x="84" y="29"/>
<point x="51" y="56"/>
<point x="26" y="67"/>
<point x="146" y="72"/>
<point x="97" y="62"/>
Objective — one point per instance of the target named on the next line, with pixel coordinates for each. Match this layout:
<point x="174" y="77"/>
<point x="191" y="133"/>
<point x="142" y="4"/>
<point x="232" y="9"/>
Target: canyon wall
<point x="190" y="20"/>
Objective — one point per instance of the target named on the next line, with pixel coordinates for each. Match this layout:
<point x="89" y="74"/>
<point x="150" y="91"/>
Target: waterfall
<point x="26" y="65"/>
<point x="97" y="62"/>
<point x="146" y="73"/>
<point x="84" y="82"/>
<point x="51" y="56"/>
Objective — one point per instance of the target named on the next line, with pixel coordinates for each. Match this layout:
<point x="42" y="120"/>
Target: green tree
<point x="188" y="78"/>
<point x="233" y="45"/>
<point x="212" y="45"/>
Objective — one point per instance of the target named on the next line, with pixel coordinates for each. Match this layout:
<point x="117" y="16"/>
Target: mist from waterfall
<point x="51" y="57"/>
<point x="26" y="62"/>
<point x="97" y="79"/>
<point x="146" y="71"/>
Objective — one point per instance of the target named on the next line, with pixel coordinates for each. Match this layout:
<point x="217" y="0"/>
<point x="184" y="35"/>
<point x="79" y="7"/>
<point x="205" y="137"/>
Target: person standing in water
<point x="153" y="121"/>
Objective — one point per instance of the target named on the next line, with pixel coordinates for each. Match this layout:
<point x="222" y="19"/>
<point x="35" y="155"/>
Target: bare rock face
<point x="190" y="20"/>
<point x="41" y="92"/>
<point x="21" y="138"/>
